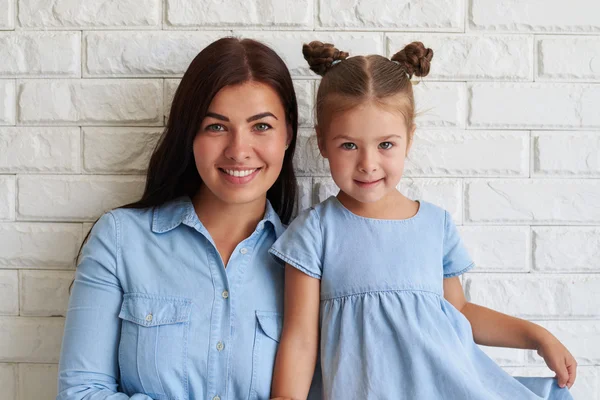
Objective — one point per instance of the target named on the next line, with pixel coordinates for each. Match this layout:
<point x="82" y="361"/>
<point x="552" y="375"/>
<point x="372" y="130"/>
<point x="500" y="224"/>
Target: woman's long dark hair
<point x="229" y="61"/>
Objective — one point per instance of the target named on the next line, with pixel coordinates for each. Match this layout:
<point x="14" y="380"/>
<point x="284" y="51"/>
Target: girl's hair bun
<point x="320" y="56"/>
<point x="415" y="58"/>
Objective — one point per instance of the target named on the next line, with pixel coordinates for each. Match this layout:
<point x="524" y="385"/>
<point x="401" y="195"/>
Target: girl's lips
<point x="367" y="185"/>
<point x="239" y="180"/>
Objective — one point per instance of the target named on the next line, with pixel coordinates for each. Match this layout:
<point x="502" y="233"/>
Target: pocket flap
<point x="271" y="323"/>
<point x="148" y="310"/>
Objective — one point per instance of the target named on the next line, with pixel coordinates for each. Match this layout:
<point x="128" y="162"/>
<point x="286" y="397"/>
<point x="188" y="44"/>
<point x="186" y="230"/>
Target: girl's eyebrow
<point x="382" y="138"/>
<point x="249" y="119"/>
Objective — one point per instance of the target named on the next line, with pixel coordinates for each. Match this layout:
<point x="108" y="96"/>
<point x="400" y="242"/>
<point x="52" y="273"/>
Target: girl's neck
<point x="393" y="206"/>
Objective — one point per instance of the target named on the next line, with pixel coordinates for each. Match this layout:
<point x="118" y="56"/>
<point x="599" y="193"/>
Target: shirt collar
<point x="179" y="211"/>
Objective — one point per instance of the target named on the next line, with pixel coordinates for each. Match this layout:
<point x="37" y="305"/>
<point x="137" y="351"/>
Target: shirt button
<point x="220" y="346"/>
<point x="243" y="250"/>
<point x="225" y="294"/>
<point x="149" y="317"/>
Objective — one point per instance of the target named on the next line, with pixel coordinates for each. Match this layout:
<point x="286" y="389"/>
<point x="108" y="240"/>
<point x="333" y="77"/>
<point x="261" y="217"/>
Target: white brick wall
<point x="508" y="141"/>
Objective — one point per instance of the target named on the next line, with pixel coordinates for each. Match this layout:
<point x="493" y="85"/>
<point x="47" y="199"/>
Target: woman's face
<point x="241" y="143"/>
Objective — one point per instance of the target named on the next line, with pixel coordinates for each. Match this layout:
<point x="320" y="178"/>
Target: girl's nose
<point x="367" y="163"/>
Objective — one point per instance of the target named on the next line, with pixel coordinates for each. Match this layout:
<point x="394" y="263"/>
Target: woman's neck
<point x="228" y="224"/>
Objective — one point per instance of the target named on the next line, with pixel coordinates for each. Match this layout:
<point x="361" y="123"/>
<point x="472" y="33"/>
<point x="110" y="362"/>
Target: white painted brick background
<point x="508" y="141"/>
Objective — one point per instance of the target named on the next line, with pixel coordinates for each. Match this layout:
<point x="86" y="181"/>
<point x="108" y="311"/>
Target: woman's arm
<point x="491" y="328"/>
<point x="297" y="353"/>
<point x="88" y="362"/>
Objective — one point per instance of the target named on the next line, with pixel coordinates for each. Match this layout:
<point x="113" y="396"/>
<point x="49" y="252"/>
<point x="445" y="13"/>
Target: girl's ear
<point x="411" y="138"/>
<point x="321" y="142"/>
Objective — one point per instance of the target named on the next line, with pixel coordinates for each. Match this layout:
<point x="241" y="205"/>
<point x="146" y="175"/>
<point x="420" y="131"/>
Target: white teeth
<point x="238" y="173"/>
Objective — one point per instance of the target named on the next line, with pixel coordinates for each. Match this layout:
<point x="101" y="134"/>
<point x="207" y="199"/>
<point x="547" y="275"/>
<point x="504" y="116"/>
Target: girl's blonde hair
<point x="349" y="82"/>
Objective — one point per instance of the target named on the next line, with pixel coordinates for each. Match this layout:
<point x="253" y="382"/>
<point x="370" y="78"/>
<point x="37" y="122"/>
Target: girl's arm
<point x="297" y="353"/>
<point x="491" y="328"/>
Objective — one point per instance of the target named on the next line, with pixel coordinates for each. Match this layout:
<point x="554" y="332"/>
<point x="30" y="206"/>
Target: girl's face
<point x="241" y="143"/>
<point x="366" y="147"/>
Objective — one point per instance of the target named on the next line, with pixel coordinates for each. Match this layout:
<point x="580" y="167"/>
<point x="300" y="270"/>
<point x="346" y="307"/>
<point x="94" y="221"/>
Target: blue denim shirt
<point x="154" y="314"/>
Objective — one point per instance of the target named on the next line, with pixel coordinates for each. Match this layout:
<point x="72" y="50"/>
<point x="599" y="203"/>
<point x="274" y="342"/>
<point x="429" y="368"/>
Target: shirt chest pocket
<point x="153" y="346"/>
<point x="266" y="340"/>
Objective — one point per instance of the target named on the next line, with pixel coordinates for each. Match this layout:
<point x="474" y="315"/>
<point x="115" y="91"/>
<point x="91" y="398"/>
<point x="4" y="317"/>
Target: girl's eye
<point x="386" y="145"/>
<point x="348" y="146"/>
<point x="215" y="128"/>
<point x="262" y="127"/>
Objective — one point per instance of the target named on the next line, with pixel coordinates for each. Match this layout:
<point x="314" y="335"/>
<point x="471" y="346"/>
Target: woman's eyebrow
<point x="217" y="116"/>
<point x="261" y="115"/>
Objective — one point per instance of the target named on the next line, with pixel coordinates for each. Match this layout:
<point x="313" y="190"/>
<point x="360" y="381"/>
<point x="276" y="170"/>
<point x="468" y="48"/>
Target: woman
<point x="175" y="296"/>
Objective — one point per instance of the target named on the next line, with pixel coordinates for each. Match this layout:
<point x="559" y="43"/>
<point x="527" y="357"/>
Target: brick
<point x="548" y="201"/>
<point x="118" y="150"/>
<point x="40" y="54"/>
<point x="288" y="45"/>
<point x="534" y="16"/>
<point x="39" y="245"/>
<point x="39" y="149"/>
<point x="170" y="86"/>
<point x="7" y="18"/>
<point x="445" y="193"/>
<point x="472" y="57"/>
<point x="7" y="197"/>
<point x="270" y="13"/>
<point x="536" y="296"/>
<point x="24" y="339"/>
<point x="441" y="15"/>
<point x="9" y="293"/>
<point x="7" y="102"/>
<point x="586" y="387"/>
<point x="564" y="153"/>
<point x="580" y="337"/>
<point x="305" y="96"/>
<point x="505" y="356"/>
<point x="304" y="199"/>
<point x="440" y="104"/>
<point x="307" y="158"/>
<point x="566" y="249"/>
<point x="45" y="293"/>
<point x="468" y="153"/>
<point x="498" y="248"/>
<point x="89" y="14"/>
<point x="150" y="53"/>
<point x="38" y="381"/>
<point x="91" y="102"/>
<point x="568" y="58"/>
<point x="8" y="381"/>
<point x="75" y="198"/>
<point x="534" y="105"/>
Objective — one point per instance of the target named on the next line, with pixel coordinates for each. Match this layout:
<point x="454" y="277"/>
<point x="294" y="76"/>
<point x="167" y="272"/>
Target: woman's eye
<point x="215" y="128"/>
<point x="262" y="127"/>
<point x="386" y="145"/>
<point x="348" y="146"/>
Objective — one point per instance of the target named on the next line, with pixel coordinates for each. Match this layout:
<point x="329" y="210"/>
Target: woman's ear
<point x="290" y="135"/>
<point x="321" y="142"/>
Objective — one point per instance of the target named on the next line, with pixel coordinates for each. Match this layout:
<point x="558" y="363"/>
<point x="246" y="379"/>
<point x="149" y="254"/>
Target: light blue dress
<point x="386" y="330"/>
<point x="155" y="315"/>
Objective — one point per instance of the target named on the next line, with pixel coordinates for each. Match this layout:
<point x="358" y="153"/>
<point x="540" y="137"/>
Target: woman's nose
<point x="239" y="147"/>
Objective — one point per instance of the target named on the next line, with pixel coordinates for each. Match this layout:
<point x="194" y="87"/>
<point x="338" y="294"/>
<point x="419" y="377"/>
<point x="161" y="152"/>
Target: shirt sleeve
<point x="301" y="245"/>
<point x="89" y="355"/>
<point x="457" y="260"/>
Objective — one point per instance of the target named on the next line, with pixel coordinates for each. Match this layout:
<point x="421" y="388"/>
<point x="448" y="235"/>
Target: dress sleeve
<point x="457" y="260"/>
<point x="301" y="245"/>
<point x="88" y="362"/>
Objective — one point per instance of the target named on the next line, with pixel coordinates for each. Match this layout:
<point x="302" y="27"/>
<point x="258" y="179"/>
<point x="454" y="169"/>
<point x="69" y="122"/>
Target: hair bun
<point x="415" y="58"/>
<point x="320" y="55"/>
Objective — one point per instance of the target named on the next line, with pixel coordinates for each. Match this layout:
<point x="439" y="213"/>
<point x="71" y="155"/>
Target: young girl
<point x="381" y="270"/>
